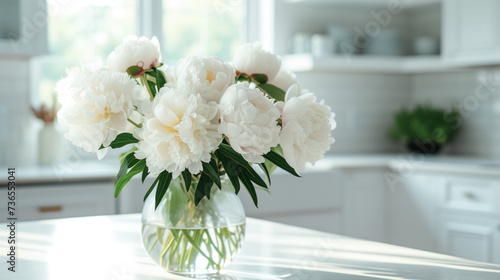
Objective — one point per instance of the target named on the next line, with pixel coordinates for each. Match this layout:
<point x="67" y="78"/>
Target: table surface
<point x="110" y="248"/>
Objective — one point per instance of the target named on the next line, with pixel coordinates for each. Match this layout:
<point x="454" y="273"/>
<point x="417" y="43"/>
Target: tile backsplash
<point x="365" y="104"/>
<point x="475" y="93"/>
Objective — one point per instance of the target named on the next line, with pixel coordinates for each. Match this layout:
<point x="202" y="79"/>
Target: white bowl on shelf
<point x="426" y="45"/>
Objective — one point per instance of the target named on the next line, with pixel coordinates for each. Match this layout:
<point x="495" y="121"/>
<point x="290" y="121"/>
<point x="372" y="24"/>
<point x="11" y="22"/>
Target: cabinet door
<point x="23" y="27"/>
<point x="412" y="215"/>
<point x="131" y="198"/>
<point x="312" y="201"/>
<point x="471" y="30"/>
<point x="364" y="206"/>
<point x="470" y="238"/>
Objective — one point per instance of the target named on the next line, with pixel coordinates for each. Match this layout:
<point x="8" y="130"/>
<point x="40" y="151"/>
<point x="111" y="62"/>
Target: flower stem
<point x="144" y="80"/>
<point x="134" y="123"/>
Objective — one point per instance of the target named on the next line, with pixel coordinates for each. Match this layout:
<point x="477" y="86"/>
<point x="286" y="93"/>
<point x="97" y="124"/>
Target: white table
<point x="110" y="248"/>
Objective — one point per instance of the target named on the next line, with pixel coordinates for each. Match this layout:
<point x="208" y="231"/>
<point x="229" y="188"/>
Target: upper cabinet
<point x="23" y="27"/>
<point x="471" y="31"/>
<point x="380" y="36"/>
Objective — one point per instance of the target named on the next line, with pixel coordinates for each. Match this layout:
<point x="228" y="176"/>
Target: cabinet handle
<point x="45" y="209"/>
<point x="470" y="195"/>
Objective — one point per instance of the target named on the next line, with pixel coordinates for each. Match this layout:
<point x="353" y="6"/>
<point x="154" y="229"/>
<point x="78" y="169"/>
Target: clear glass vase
<point x="193" y="240"/>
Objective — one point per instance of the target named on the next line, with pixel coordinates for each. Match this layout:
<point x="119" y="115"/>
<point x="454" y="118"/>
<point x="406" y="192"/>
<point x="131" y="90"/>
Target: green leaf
<point x="273" y="91"/>
<point x="231" y="172"/>
<point x="250" y="188"/>
<point x="121" y="140"/>
<point x="122" y="156"/>
<point x="231" y="154"/>
<point x="163" y="182"/>
<point x="145" y="173"/>
<point x="127" y="162"/>
<point x="136" y="169"/>
<point x="151" y="188"/>
<point x="187" y="179"/>
<point x="135" y="71"/>
<point x="160" y="79"/>
<point x="178" y="202"/>
<point x="277" y="159"/>
<point x="260" y="78"/>
<point x="264" y="168"/>
<point x="210" y="171"/>
<point x="152" y="87"/>
<point x="203" y="188"/>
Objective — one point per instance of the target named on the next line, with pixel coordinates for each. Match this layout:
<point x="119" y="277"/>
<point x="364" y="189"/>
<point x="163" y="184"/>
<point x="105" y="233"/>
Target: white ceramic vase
<point x="50" y="145"/>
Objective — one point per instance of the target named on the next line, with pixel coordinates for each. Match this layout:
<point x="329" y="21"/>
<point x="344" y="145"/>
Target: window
<point x="81" y="31"/>
<point x="205" y="27"/>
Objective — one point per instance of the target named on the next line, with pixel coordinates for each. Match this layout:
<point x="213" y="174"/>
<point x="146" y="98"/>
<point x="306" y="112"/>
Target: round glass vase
<point x="193" y="240"/>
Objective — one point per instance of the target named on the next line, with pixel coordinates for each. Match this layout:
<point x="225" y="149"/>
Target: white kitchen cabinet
<point x="36" y="202"/>
<point x="364" y="203"/>
<point x="412" y="210"/>
<point x="131" y="198"/>
<point x="23" y="27"/>
<point x="469" y="217"/>
<point x="471" y="30"/>
<point x="312" y="201"/>
<point x="471" y="238"/>
<point x="471" y="195"/>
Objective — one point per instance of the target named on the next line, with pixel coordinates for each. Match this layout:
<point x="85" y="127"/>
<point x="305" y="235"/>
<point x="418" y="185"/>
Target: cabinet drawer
<point x="65" y="200"/>
<point x="472" y="194"/>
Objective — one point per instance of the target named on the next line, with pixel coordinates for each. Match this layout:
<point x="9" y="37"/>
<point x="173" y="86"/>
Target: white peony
<point x="306" y="128"/>
<point x="208" y="76"/>
<point x="284" y="80"/>
<point x="95" y="106"/>
<point x="252" y="59"/>
<point x="179" y="132"/>
<point x="249" y="120"/>
<point x="135" y="51"/>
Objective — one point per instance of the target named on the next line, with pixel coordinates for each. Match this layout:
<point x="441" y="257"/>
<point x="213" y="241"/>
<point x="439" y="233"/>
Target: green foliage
<point x="121" y="140"/>
<point x="425" y="123"/>
<point x="273" y="91"/>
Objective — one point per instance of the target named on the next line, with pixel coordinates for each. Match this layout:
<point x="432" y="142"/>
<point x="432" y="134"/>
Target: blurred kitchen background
<point x="367" y="59"/>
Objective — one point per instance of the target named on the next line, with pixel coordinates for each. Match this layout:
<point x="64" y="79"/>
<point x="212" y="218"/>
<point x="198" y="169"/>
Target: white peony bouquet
<point x="198" y="119"/>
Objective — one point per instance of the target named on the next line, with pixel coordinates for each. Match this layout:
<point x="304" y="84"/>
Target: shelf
<point x="367" y="3"/>
<point x="376" y="64"/>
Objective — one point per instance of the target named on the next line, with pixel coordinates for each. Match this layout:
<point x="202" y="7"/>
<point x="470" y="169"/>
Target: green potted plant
<point x="425" y="129"/>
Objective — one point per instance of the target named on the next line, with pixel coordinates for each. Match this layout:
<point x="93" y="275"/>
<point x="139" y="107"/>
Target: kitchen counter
<point x="107" y="169"/>
<point x="110" y="247"/>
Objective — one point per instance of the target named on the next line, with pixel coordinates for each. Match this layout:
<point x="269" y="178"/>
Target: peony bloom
<point x="95" y="106"/>
<point x="135" y="51"/>
<point x="284" y="80"/>
<point x="252" y="59"/>
<point x="179" y="132"/>
<point x="306" y="131"/>
<point x="249" y="120"/>
<point x="208" y="76"/>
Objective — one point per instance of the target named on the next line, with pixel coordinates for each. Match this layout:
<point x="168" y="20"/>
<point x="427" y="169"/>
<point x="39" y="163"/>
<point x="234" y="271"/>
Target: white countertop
<point x="110" y="248"/>
<point x="107" y="169"/>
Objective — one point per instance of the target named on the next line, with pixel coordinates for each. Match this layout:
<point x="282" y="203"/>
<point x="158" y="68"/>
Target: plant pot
<point x="424" y="147"/>
<point x="193" y="240"/>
